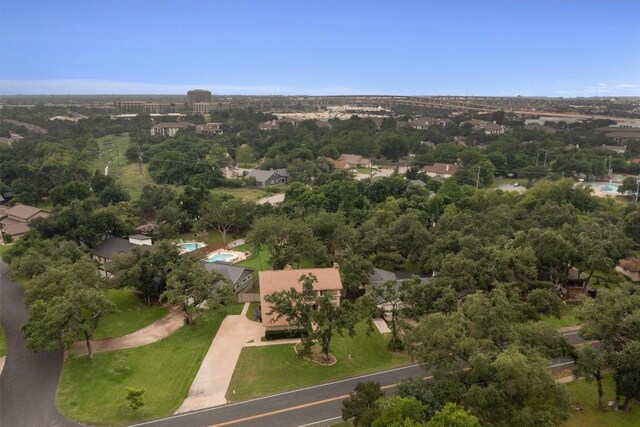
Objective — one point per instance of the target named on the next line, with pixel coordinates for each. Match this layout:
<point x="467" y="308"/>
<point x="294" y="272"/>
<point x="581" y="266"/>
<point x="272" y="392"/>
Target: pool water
<point x="220" y="257"/>
<point x="189" y="247"/>
<point x="610" y="188"/>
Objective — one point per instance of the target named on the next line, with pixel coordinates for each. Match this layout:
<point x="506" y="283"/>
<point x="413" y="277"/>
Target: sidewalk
<point x="154" y="332"/>
<point x="210" y="385"/>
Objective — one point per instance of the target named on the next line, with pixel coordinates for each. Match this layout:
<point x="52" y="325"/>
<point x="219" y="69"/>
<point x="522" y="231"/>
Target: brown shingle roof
<point x="441" y="169"/>
<point x="283" y="280"/>
<point x="15" y="228"/>
<point x="23" y="212"/>
<point x="631" y="264"/>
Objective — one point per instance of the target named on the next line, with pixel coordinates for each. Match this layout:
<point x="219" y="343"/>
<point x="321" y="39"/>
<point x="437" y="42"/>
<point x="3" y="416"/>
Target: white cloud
<point x="95" y="87"/>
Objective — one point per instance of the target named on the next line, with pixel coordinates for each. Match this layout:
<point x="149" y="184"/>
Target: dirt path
<point x="154" y="332"/>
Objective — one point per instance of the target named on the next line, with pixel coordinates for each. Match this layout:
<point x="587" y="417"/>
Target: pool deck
<point x="238" y="256"/>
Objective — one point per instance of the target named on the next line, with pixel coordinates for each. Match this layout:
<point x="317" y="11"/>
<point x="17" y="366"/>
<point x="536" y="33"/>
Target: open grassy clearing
<point x="93" y="392"/>
<point x="586" y="395"/>
<point x="272" y="369"/>
<point x="3" y="342"/>
<point x="133" y="314"/>
<point x="567" y="317"/>
<point x="260" y="261"/>
<point x="211" y="237"/>
<point x="247" y="193"/>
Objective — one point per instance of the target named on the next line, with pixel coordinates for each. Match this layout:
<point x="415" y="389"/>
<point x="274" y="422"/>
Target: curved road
<point x="28" y="381"/>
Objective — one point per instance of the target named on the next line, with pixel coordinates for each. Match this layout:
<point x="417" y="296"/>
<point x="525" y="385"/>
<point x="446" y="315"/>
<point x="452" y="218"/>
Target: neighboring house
<point x="618" y="149"/>
<point x="339" y="164"/>
<point x="293" y="122"/>
<point x="169" y="128"/>
<point x="490" y="128"/>
<point x="440" y="170"/>
<point x="630" y="267"/>
<point x="323" y="124"/>
<point x="16" y="221"/>
<point x="493" y="129"/>
<point x="624" y="136"/>
<point x="210" y="129"/>
<point x="355" y="161"/>
<point x="379" y="277"/>
<point x="328" y="283"/>
<point x="268" y="125"/>
<point x="107" y="249"/>
<point x="240" y="277"/>
<point x="576" y="279"/>
<point x="416" y="183"/>
<point x="270" y="177"/>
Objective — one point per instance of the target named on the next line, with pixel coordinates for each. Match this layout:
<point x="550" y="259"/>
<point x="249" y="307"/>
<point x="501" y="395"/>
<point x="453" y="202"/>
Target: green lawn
<point x="252" y="307"/>
<point x="210" y="237"/>
<point x="248" y="193"/>
<point x="93" y="392"/>
<point x="260" y="261"/>
<point x="276" y="368"/>
<point x="586" y="394"/>
<point x="567" y="317"/>
<point x="133" y="315"/>
<point x="3" y="342"/>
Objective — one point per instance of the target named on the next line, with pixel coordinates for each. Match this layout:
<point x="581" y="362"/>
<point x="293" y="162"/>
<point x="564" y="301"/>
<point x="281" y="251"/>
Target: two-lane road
<point x="28" y="381"/>
<point x="312" y="406"/>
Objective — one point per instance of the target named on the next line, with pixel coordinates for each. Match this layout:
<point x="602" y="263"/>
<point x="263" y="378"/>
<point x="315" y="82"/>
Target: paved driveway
<point x="28" y="381"/>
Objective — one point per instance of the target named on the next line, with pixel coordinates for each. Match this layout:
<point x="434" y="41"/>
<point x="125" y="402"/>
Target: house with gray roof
<point x="270" y="177"/>
<point x="107" y="249"/>
<point x="240" y="277"/>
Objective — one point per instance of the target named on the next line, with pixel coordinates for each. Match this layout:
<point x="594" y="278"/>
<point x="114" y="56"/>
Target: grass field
<point x="260" y="261"/>
<point x="272" y="369"/>
<point x="93" y="391"/>
<point x="3" y="342"/>
<point x="567" y="318"/>
<point x="133" y="315"/>
<point x="250" y="194"/>
<point x="586" y="395"/>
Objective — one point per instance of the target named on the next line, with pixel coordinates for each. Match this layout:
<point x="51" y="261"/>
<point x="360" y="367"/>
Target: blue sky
<point x="552" y="48"/>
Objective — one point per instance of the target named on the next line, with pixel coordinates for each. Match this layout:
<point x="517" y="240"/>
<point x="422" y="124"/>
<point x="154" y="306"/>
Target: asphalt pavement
<point x="28" y="381"/>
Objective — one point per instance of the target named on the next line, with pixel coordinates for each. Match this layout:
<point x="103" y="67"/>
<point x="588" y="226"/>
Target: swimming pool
<point x="190" y="246"/>
<point x="221" y="256"/>
<point x="604" y="187"/>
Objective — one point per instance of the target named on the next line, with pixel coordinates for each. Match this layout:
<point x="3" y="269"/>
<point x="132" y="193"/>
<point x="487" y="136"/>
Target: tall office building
<point x="197" y="96"/>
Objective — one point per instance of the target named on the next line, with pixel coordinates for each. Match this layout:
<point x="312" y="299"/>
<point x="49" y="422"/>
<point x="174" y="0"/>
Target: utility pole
<point x="637" y="189"/>
<point x="478" y="178"/>
<point x="545" y="157"/>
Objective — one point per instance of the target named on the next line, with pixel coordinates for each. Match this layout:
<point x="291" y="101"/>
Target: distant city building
<point x="148" y="107"/>
<point x="198" y="96"/>
<point x="169" y="128"/>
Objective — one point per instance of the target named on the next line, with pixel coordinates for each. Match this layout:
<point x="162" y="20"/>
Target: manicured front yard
<point x="276" y="368"/>
<point x="93" y="392"/>
<point x="3" y="342"/>
<point x="246" y="193"/>
<point x="133" y="315"/>
<point x="586" y="395"/>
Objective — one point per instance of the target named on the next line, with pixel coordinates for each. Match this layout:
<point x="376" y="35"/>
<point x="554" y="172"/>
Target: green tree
<point x="135" y="397"/>
<point x="194" y="289"/>
<point x="398" y="411"/>
<point x="223" y="214"/>
<point x="589" y="365"/>
<point x="360" y="406"/>
<point x="316" y="314"/>
<point x="453" y="415"/>
<point x="392" y="295"/>
<point x="419" y="388"/>
<point x="65" y="304"/>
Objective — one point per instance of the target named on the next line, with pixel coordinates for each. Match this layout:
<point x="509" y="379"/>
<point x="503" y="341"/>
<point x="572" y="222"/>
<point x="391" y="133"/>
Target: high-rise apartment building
<point x="198" y="96"/>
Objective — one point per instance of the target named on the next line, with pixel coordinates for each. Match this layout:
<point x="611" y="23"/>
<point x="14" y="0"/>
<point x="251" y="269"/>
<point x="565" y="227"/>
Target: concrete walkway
<point x="210" y="385"/>
<point x="382" y="326"/>
<point x="2" y="359"/>
<point x="156" y="331"/>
